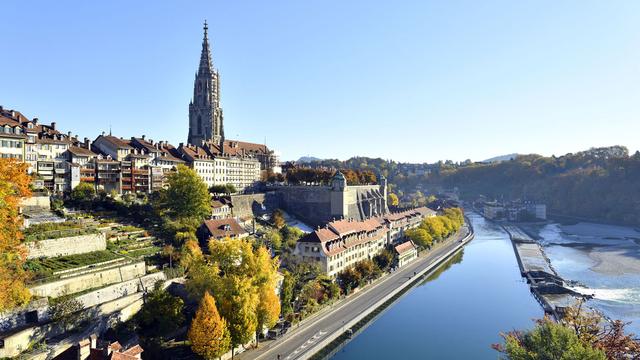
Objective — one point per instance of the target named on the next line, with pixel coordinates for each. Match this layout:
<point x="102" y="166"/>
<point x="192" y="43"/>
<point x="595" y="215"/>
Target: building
<point x="216" y="167"/>
<point x="221" y="208"/>
<point x="342" y="243"/>
<point x="406" y="252"/>
<point x="205" y="112"/>
<point x="219" y="229"/>
<point x="12" y="139"/>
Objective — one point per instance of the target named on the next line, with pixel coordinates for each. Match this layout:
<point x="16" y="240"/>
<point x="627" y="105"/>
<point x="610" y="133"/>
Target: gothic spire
<point x="205" y="56"/>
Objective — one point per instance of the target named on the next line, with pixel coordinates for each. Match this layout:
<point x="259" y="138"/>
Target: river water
<point x="458" y="312"/>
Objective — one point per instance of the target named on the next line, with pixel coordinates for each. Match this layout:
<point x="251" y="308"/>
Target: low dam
<point x="546" y="286"/>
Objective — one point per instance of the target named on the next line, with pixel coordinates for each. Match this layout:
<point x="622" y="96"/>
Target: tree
<point x="14" y="185"/>
<point x="548" y="340"/>
<point x="268" y="309"/>
<point x="393" y="199"/>
<point x="286" y="293"/>
<point x="275" y="239"/>
<point x="278" y="219"/>
<point x="223" y="189"/>
<point x="384" y="259"/>
<point x="291" y="235"/>
<point x="420" y="237"/>
<point x="170" y="252"/>
<point x="208" y="333"/>
<point x="64" y="310"/>
<point x="187" y="195"/>
<point x="161" y="312"/>
<point x="83" y="192"/>
<point x="190" y="253"/>
<point x="238" y="303"/>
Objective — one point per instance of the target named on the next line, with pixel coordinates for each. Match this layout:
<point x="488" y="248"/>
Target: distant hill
<point x="500" y="158"/>
<point x="308" y="159"/>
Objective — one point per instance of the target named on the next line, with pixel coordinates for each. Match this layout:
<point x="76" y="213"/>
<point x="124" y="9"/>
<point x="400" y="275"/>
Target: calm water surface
<point x="458" y="312"/>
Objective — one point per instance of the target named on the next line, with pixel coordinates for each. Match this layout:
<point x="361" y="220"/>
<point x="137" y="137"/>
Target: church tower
<point x="205" y="113"/>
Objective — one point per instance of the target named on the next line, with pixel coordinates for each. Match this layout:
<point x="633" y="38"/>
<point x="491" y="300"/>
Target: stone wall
<point x="18" y="317"/>
<point x="311" y="204"/>
<point x="67" y="246"/>
<point x="115" y="291"/>
<point x="253" y="204"/>
<point x="84" y="282"/>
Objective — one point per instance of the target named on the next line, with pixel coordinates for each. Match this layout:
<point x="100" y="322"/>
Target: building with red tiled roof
<point x="219" y="229"/>
<point x="407" y="251"/>
<point x="342" y="243"/>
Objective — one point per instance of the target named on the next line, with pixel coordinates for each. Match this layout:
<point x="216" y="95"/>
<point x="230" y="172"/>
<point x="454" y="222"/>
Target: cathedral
<point x="220" y="161"/>
<point x="205" y="113"/>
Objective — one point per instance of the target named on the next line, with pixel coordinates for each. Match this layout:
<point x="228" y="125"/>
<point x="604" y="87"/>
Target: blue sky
<point x="405" y="80"/>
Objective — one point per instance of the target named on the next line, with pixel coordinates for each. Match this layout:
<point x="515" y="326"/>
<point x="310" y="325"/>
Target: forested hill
<point x="600" y="184"/>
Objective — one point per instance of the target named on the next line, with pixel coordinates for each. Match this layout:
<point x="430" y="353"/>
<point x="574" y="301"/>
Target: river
<point x="458" y="312"/>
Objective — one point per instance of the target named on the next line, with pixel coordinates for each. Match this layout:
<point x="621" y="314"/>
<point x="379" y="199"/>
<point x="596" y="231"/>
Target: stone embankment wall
<point x="88" y="281"/>
<point x="253" y="204"/>
<point x="67" y="246"/>
<point x="311" y="204"/>
<point x="116" y="291"/>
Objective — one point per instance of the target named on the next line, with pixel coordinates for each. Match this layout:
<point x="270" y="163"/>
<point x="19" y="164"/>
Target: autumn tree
<point x="268" y="310"/>
<point x="286" y="293"/>
<point x="278" y="219"/>
<point x="190" y="253"/>
<point x="238" y="304"/>
<point x="187" y="195"/>
<point x="420" y="237"/>
<point x="208" y="333"/>
<point x="14" y="185"/>
<point x="393" y="199"/>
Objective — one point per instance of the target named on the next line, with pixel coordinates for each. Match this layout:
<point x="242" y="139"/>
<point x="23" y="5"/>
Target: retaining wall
<point x="84" y="282"/>
<point x="72" y="245"/>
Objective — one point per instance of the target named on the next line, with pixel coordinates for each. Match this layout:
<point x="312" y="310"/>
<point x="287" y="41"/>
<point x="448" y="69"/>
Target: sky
<point x="412" y="81"/>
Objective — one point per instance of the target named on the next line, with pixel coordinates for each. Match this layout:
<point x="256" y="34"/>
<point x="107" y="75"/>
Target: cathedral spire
<point x="205" y="56"/>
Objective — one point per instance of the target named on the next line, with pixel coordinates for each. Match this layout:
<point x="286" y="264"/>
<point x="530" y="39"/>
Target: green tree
<point x="161" y="313"/>
<point x="291" y="235"/>
<point x="187" y="195"/>
<point x="286" y="293"/>
<point x="275" y="239"/>
<point x="548" y="340"/>
<point x="208" y="334"/>
<point x="83" y="192"/>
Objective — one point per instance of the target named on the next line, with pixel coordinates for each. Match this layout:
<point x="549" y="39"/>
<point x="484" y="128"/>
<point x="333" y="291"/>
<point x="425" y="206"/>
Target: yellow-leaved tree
<point x="14" y="185"/>
<point x="208" y="334"/>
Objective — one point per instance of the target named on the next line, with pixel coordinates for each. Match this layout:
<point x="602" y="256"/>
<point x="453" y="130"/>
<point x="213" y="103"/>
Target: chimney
<point x="103" y="133"/>
<point x="35" y="120"/>
<point x="144" y="136"/>
<point x="53" y="125"/>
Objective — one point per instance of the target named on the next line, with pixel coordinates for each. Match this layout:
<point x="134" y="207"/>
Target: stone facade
<point x="317" y="205"/>
<point x="67" y="246"/>
<point x="205" y="112"/>
<point x="246" y="206"/>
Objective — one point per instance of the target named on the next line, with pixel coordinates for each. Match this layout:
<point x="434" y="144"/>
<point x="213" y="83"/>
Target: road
<point x="300" y="340"/>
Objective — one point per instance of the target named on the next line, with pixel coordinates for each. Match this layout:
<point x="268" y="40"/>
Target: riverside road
<point x="301" y="342"/>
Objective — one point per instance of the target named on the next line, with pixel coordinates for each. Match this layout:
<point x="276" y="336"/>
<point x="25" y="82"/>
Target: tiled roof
<point x="80" y="151"/>
<point x="404" y="247"/>
<point x="117" y="142"/>
<point x="224" y="227"/>
<point x="134" y="351"/>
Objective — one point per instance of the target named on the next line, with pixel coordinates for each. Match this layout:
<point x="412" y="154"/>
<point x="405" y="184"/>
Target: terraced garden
<point x="56" y="267"/>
